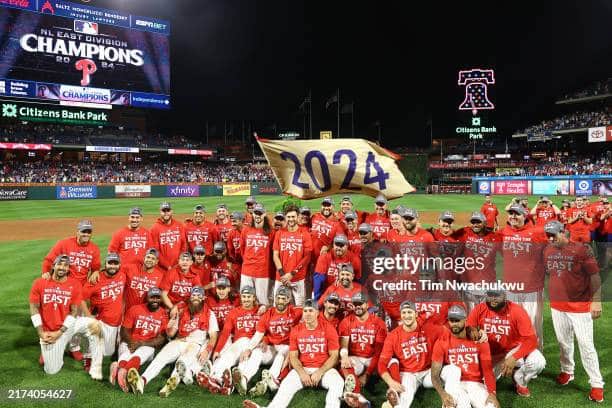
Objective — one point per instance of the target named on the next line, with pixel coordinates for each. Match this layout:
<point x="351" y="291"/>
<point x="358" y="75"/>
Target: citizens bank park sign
<point x="48" y="113"/>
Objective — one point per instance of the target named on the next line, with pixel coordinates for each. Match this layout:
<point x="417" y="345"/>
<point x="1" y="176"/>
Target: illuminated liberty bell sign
<point x="475" y="82"/>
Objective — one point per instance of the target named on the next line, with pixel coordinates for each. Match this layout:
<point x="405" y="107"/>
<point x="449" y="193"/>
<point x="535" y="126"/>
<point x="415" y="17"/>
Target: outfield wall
<point x="543" y="185"/>
<point x="92" y="191"/>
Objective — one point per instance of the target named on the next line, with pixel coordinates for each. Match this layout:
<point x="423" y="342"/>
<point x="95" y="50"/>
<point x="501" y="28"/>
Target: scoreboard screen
<point x="73" y="53"/>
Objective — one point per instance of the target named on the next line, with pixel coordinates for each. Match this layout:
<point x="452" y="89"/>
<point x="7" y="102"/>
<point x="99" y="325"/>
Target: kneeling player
<point x="474" y="359"/>
<point x="193" y="324"/>
<point x="313" y="352"/>
<point x="54" y="304"/>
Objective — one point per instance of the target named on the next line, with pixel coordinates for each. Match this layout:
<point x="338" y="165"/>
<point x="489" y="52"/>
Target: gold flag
<point x="316" y="168"/>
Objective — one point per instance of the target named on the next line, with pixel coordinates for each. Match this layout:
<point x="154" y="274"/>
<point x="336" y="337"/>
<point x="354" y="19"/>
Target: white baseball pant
<point x="261" y="285"/>
<point x="474" y="395"/>
<point x="111" y="338"/>
<point x="144" y="353"/>
<point x="229" y="357"/>
<point x="567" y="324"/>
<point x="270" y="354"/>
<point x="298" y="291"/>
<point x="528" y="367"/>
<point x="53" y="354"/>
<point x="332" y="381"/>
<point x="533" y="303"/>
<point x="450" y="375"/>
<point x="360" y="364"/>
<point x="169" y="354"/>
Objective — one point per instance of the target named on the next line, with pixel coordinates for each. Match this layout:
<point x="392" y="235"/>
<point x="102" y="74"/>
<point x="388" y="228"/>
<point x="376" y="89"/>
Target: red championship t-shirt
<point x="204" y="234"/>
<point x="131" y="245"/>
<point x="522" y="254"/>
<point x="490" y="212"/>
<point x="277" y="326"/>
<point x="138" y="283"/>
<point x="322" y="231"/>
<point x="179" y="284"/>
<point x="255" y="247"/>
<point x="328" y="265"/>
<point x="363" y="335"/>
<point x="55" y="299"/>
<point x="144" y="324"/>
<point x="294" y="250"/>
<point x="240" y="322"/>
<point x="106" y="297"/>
<point x="189" y="323"/>
<point x="170" y="240"/>
<point x="380" y="225"/>
<point x="221" y="307"/>
<point x="83" y="258"/>
<point x="313" y="345"/>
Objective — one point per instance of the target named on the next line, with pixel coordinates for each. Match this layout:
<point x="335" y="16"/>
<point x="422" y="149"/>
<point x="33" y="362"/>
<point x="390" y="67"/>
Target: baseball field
<point x="28" y="229"/>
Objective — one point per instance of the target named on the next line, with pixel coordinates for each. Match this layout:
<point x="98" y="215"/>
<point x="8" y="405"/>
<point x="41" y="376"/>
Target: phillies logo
<point x="88" y="67"/>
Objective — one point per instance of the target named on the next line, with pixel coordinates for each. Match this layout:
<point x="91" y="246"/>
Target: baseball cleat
<point x="392" y="398"/>
<point x="203" y="379"/>
<point x="564" y="378"/>
<point x="207" y="367"/>
<point x="86" y="364"/>
<point x="249" y="404"/>
<point x="355" y="400"/>
<point x="266" y="376"/>
<point x="213" y="386"/>
<point x="181" y="369"/>
<point x="170" y="386"/>
<point x="596" y="395"/>
<point x="114" y="369"/>
<point x="122" y="380"/>
<point x="523" y="391"/>
<point x="260" y="388"/>
<point x="239" y="381"/>
<point x="135" y="381"/>
<point x="349" y="384"/>
<point x="76" y="355"/>
<point x="226" y="379"/>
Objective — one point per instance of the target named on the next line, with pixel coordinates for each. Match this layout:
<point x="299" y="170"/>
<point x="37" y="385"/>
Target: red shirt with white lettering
<point x="472" y="358"/>
<point x="144" y="324"/>
<point x="522" y="253"/>
<point x="544" y="215"/>
<point x="595" y="209"/>
<point x="345" y="295"/>
<point x="233" y="246"/>
<point x="178" y="284"/>
<point x="240" y="322"/>
<point x="354" y="240"/>
<point x="55" y="299"/>
<point x="380" y="225"/>
<point x="579" y="228"/>
<point x="294" y="250"/>
<point x="256" y="254"/>
<point x="313" y="345"/>
<point x="83" y="258"/>
<point x="204" y="234"/>
<point x="221" y="307"/>
<point x="322" y="231"/>
<point x="224" y="229"/>
<point x="277" y="326"/>
<point x="223" y="268"/>
<point x="363" y="335"/>
<point x="506" y="329"/>
<point x="131" y="245"/>
<point x="412" y="349"/>
<point x="490" y="212"/>
<point x="570" y="268"/>
<point x="138" y="283"/>
<point x="106" y="297"/>
<point x="169" y="239"/>
<point x="189" y="323"/>
<point x="481" y="248"/>
<point x="328" y="265"/>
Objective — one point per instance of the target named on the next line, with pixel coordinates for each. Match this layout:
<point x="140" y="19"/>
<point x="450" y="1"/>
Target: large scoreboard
<point x="75" y="54"/>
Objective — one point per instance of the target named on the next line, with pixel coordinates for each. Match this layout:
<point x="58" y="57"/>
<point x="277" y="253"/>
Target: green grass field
<point x="19" y="350"/>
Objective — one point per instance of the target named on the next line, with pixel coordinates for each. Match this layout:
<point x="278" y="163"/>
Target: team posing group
<point x="293" y="292"/>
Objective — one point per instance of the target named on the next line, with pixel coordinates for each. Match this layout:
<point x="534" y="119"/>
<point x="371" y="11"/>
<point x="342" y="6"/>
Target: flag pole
<point x="338" y="111"/>
<point x="310" y="111"/>
<point x="353" y="120"/>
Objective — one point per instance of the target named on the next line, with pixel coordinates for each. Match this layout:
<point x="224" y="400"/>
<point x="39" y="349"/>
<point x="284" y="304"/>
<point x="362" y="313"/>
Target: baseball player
<point x="329" y="313"/>
<point x="105" y="298"/>
<point x="249" y="203"/>
<point x="241" y="324"/>
<point x="405" y="360"/>
<point x="222" y="300"/>
<point x="131" y="242"/>
<point x="233" y="238"/>
<point x="201" y="267"/>
<point x="346" y="288"/>
<point x="579" y="220"/>
<point x="544" y="211"/>
<point x="141" y="278"/>
<point x="433" y="304"/>
<point x="304" y="218"/>
<point x="168" y="237"/>
<point x="474" y="359"/>
<point x="255" y="243"/>
<point x="575" y="293"/>
<point x="275" y="325"/>
<point x="292" y="249"/>
<point x="178" y="282"/>
<point x="192" y="326"/>
<point x="324" y="226"/>
<point x="199" y="231"/>
<point x="279" y="221"/>
<point x="379" y="219"/>
<point x="346" y="205"/>
<point x="512" y="339"/>
<point x="222" y="222"/>
<point x="54" y="304"/>
<point x="490" y="211"/>
<point x="221" y="265"/>
<point x="352" y="232"/>
<point x="361" y="340"/>
<point x="313" y="352"/>
<point x="143" y="330"/>
<point x="326" y="270"/>
<point x="522" y="246"/>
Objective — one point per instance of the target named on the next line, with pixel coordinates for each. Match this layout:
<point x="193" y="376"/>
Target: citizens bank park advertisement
<point x="63" y="51"/>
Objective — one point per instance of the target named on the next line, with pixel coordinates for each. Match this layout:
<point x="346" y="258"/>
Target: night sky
<point x="256" y="60"/>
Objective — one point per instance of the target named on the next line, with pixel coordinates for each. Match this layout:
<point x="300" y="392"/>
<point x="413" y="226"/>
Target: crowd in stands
<point x="576" y="120"/>
<point x="557" y="167"/>
<point x="598" y="88"/>
<point x="91" y="172"/>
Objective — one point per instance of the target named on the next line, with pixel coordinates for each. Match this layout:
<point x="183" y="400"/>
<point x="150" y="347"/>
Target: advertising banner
<point x="236" y="189"/>
<point x="265" y="188"/>
<point x="183" y="191"/>
<point x="191" y="152"/>
<point x="13" y="193"/>
<point x="51" y="113"/>
<point x="597" y="134"/>
<point x="112" y="149"/>
<point x="25" y="146"/>
<point x="484" y="187"/>
<point x="584" y="187"/>
<point x="550" y="187"/>
<point x="137" y="190"/>
<point x="602" y="187"/>
<point x="75" y="192"/>
<point x="511" y="187"/>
